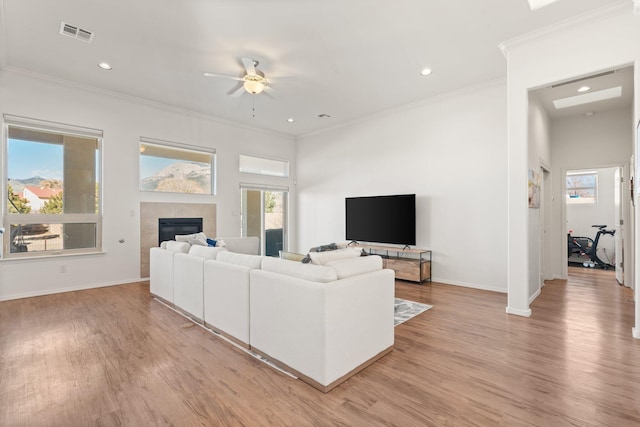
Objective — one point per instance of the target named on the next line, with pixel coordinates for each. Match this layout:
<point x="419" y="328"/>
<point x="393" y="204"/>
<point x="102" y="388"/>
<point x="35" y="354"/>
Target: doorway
<point x="264" y="215"/>
<point x="593" y="218"/>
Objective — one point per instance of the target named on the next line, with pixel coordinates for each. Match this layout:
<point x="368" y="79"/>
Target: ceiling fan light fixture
<point x="254" y="83"/>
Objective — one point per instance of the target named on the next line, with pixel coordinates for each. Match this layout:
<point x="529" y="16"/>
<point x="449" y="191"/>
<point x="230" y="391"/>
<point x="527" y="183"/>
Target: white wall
<point x="602" y="140"/>
<point x="539" y="158"/>
<point x="606" y="40"/>
<point x="450" y="152"/>
<point x="124" y="120"/>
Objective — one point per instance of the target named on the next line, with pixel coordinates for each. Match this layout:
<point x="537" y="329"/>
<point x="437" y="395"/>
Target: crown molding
<point x="143" y="101"/>
<point x="612" y="9"/>
<point x="407" y="107"/>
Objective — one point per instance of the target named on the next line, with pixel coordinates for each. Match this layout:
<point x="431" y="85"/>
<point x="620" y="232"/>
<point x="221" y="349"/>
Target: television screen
<point x="382" y="219"/>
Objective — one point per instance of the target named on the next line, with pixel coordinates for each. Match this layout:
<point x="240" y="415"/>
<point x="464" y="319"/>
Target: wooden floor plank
<point x="114" y="356"/>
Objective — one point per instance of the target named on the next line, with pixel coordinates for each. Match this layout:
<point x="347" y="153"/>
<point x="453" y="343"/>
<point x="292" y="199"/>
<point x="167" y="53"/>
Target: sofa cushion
<point x="193" y="239"/>
<point x="314" y="273"/>
<point x="251" y="261"/>
<point x="322" y="258"/>
<point x="174" y="246"/>
<point x="354" y="266"/>
<point x="207" y="252"/>
<point x="241" y="245"/>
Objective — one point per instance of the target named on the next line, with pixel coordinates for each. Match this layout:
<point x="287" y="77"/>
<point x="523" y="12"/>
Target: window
<point x="175" y="168"/>
<point x="261" y="166"/>
<point x="53" y="188"/>
<point x="582" y="187"/>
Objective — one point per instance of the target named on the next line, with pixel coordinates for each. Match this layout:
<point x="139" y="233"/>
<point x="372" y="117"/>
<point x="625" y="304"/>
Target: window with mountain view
<point x="52" y="187"/>
<point x="175" y="168"/>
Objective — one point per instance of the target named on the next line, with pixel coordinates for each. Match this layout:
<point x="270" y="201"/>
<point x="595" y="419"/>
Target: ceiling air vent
<point x="76" y="32"/>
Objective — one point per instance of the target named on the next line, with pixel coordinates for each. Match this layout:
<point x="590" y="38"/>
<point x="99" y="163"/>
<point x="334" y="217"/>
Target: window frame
<point x="570" y="200"/>
<point x="62" y="218"/>
<point x="180" y="146"/>
<point x="268" y="159"/>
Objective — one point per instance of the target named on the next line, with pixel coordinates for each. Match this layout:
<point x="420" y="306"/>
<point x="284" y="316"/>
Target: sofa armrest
<point x="322" y="330"/>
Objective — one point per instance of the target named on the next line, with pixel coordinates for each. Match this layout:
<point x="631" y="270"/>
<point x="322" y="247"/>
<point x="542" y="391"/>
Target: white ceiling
<point x="350" y="59"/>
<point x="607" y="79"/>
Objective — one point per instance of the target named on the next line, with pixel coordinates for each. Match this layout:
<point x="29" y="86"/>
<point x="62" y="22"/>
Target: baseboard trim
<point x="535" y="295"/>
<point x="518" y="312"/>
<point x="315" y="384"/>
<point x="636" y="333"/>
<point x="69" y="289"/>
<point x="468" y="285"/>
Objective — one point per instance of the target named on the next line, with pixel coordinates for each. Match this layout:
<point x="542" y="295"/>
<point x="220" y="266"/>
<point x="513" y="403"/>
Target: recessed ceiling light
<point x="537" y="4"/>
<point x="426" y="72"/>
<point x="290" y="120"/>
<point x="104" y="66"/>
<point x="583" y="89"/>
<point x="600" y="95"/>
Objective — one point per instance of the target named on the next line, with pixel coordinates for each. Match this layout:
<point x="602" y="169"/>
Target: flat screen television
<point x="382" y="219"/>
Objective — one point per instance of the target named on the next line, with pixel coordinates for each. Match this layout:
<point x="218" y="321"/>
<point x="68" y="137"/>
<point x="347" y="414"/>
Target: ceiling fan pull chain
<point x="253" y="106"/>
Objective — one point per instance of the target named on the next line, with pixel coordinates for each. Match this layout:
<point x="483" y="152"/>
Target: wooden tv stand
<point x="410" y="264"/>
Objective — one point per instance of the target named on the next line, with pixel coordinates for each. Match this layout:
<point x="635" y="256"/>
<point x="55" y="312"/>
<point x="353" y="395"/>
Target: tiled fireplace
<point x="150" y="214"/>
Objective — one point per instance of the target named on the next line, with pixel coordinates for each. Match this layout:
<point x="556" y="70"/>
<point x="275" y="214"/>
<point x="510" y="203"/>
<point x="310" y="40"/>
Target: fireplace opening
<point x="169" y="227"/>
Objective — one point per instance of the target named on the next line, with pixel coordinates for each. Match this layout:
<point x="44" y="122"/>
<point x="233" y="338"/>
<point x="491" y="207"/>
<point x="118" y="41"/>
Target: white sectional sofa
<point x="226" y="294"/>
<point x="161" y="274"/>
<point x="322" y="322"/>
<point x="325" y="323"/>
<point x="188" y="273"/>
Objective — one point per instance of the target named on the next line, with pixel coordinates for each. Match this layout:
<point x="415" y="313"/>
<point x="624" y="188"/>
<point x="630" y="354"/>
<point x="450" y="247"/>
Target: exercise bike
<point x="585" y="246"/>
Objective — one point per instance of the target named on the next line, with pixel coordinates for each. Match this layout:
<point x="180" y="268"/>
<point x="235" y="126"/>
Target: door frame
<point x="262" y="188"/>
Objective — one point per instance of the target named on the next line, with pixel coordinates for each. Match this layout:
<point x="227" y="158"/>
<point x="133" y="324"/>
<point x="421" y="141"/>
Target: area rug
<point x="405" y="310"/>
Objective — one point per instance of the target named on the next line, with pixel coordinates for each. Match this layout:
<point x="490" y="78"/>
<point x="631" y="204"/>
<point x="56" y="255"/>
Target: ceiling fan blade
<point x="224" y="76"/>
<point x="249" y="66"/>
<point x="276" y="78"/>
<point x="236" y="91"/>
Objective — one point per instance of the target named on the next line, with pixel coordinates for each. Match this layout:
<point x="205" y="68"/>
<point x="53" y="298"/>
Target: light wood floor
<point x="114" y="356"/>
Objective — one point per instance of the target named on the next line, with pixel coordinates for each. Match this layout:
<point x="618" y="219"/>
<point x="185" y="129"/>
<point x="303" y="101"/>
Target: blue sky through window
<point x="27" y="159"/>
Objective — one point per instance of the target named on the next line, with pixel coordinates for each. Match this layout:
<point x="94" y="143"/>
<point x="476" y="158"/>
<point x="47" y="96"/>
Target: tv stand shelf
<point x="410" y="264"/>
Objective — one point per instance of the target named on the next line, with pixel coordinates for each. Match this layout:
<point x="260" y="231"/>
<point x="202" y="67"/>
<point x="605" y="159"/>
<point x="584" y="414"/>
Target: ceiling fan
<point x="253" y="80"/>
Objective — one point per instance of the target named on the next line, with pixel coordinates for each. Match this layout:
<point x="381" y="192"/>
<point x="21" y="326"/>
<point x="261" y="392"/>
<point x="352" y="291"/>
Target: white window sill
<point x="49" y="256"/>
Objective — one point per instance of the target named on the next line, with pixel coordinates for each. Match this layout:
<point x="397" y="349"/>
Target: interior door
<point x="618" y="239"/>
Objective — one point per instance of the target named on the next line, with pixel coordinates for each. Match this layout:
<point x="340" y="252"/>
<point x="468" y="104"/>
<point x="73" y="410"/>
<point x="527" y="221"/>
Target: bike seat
<point x="599" y="226"/>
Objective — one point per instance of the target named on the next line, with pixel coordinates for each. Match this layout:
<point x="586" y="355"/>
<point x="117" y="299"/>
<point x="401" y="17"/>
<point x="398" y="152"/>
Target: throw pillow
<point x="324" y="248"/>
<point x="291" y="256"/>
<point x="193" y="239"/>
<point x="211" y="242"/>
<point x="321" y="258"/>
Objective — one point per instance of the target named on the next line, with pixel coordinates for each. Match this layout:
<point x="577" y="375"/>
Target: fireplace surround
<point x="151" y="212"/>
<point x="168" y="228"/>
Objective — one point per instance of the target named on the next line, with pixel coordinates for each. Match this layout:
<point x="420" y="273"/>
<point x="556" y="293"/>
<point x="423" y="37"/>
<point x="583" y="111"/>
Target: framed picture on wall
<point x="534" y="189"/>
